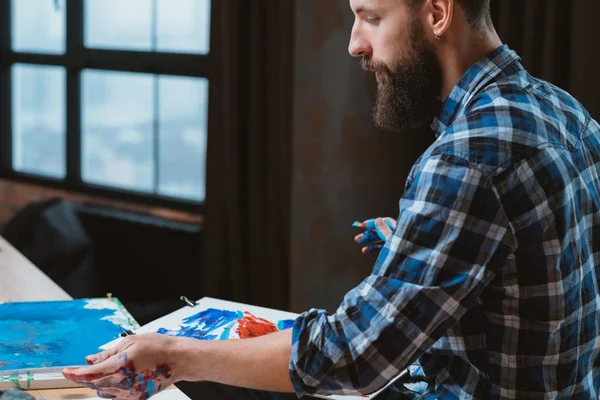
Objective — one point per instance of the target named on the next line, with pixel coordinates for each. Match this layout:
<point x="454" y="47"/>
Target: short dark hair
<point x="476" y="11"/>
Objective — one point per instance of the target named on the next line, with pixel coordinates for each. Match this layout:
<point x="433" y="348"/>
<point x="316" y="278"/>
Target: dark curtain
<point x="557" y="41"/>
<point x="246" y="230"/>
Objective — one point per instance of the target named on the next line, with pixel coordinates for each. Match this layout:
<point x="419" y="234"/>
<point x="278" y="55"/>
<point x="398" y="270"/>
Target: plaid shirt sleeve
<point x="451" y="239"/>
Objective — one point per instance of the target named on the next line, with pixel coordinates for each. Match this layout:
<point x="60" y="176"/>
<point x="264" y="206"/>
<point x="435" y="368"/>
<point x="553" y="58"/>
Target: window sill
<point x="16" y="195"/>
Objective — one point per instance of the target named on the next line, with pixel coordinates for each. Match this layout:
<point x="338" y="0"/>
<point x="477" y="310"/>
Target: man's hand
<point x="143" y="365"/>
<point x="138" y="367"/>
<point x="377" y="231"/>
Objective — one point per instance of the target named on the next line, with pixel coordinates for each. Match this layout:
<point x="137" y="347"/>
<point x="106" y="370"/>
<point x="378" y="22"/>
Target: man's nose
<point x="359" y="46"/>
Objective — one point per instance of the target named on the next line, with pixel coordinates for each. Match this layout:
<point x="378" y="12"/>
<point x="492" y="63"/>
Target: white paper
<point x="174" y="321"/>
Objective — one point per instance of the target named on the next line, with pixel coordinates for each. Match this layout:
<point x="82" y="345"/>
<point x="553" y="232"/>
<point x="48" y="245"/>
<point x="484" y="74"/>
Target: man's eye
<point x="371" y="20"/>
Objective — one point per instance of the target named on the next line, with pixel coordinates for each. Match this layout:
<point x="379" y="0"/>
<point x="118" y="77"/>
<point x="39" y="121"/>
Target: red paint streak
<point x="71" y="374"/>
<point x="4" y="364"/>
<point x="129" y="380"/>
<point x="138" y="382"/>
<point x="251" y="326"/>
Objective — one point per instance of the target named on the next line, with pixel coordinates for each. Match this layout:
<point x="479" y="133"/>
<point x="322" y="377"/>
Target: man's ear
<point x="439" y="16"/>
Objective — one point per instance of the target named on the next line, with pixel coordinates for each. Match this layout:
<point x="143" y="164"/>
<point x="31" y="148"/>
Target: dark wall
<point x="557" y="41"/>
<point x="585" y="55"/>
<point x="148" y="263"/>
<point x="344" y="169"/>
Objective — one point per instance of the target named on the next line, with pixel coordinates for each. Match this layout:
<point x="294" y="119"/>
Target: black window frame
<point x="75" y="59"/>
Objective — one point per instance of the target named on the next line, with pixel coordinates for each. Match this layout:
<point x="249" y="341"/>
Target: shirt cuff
<point x="307" y="328"/>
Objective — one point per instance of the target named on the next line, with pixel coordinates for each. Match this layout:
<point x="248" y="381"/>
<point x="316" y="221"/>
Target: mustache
<point x="368" y="64"/>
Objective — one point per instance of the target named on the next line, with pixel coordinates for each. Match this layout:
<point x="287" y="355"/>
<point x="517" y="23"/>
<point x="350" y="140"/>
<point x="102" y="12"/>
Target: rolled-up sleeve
<point x="452" y="237"/>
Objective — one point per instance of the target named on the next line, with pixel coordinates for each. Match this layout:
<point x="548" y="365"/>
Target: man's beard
<point x="407" y="98"/>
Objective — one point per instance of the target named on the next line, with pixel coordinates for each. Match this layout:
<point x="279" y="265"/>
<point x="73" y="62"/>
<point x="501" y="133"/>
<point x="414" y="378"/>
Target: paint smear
<point x="213" y="323"/>
<point x="71" y="373"/>
<point x="52" y="334"/>
<point x="251" y="326"/>
<point x="206" y="324"/>
<point x="145" y="383"/>
<point x="285" y="324"/>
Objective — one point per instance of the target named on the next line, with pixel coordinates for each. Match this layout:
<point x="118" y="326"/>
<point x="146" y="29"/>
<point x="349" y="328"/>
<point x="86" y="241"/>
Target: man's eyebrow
<point x="362" y="9"/>
<point x="366" y="9"/>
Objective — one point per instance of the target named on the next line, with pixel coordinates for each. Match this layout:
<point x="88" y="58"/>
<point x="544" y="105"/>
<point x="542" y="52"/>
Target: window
<point x="106" y="97"/>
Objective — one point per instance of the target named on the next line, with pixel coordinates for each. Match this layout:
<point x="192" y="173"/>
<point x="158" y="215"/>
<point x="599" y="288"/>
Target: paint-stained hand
<point x="138" y="367"/>
<point x="377" y="232"/>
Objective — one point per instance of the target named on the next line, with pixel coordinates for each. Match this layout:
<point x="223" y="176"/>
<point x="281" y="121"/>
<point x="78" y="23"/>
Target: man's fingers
<point x="108" y="353"/>
<point x="102" y="356"/>
<point x="116" y="382"/>
<point x="370" y="249"/>
<point x="106" y="395"/>
<point x="112" y="393"/>
<point x="369" y="224"/>
<point x="377" y="231"/>
<point x="94" y="372"/>
<point x="127" y="384"/>
<point x="383" y="229"/>
<point x="391" y="222"/>
<point x="367" y="237"/>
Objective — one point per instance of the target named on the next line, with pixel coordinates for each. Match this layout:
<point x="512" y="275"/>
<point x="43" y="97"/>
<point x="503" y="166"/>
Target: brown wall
<point x="343" y="168"/>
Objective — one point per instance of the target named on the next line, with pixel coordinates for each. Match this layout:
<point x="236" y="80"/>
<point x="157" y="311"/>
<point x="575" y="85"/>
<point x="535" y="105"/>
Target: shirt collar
<point x="476" y="77"/>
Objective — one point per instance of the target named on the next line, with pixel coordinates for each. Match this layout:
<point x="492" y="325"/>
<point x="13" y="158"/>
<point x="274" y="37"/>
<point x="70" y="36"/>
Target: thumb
<point x="382" y="228"/>
<point x="391" y="222"/>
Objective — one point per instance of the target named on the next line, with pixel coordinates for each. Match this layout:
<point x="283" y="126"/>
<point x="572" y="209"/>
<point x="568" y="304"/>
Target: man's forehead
<point x="359" y="6"/>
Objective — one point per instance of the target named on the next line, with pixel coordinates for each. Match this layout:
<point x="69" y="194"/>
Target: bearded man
<point x="485" y="286"/>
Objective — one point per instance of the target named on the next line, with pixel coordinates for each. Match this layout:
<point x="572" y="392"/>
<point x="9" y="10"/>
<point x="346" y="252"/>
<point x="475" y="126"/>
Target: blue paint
<point x="227" y="331"/>
<point x="369" y="236"/>
<point x="285" y="324"/>
<point x="149" y="387"/>
<point x="52" y="334"/>
<point x="130" y="377"/>
<point x="205" y="324"/>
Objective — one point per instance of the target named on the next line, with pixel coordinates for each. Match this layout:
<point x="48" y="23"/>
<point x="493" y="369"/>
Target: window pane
<point x="182" y="136"/>
<point x="118" y="24"/>
<point x="117" y="129"/>
<point x="183" y="28"/>
<point x="38" y="120"/>
<point x="38" y="26"/>
<point x="180" y="26"/>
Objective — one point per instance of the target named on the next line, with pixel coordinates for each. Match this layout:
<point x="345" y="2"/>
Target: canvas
<point x="39" y="339"/>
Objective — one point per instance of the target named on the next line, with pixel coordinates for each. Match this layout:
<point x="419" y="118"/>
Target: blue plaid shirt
<point x="490" y="280"/>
